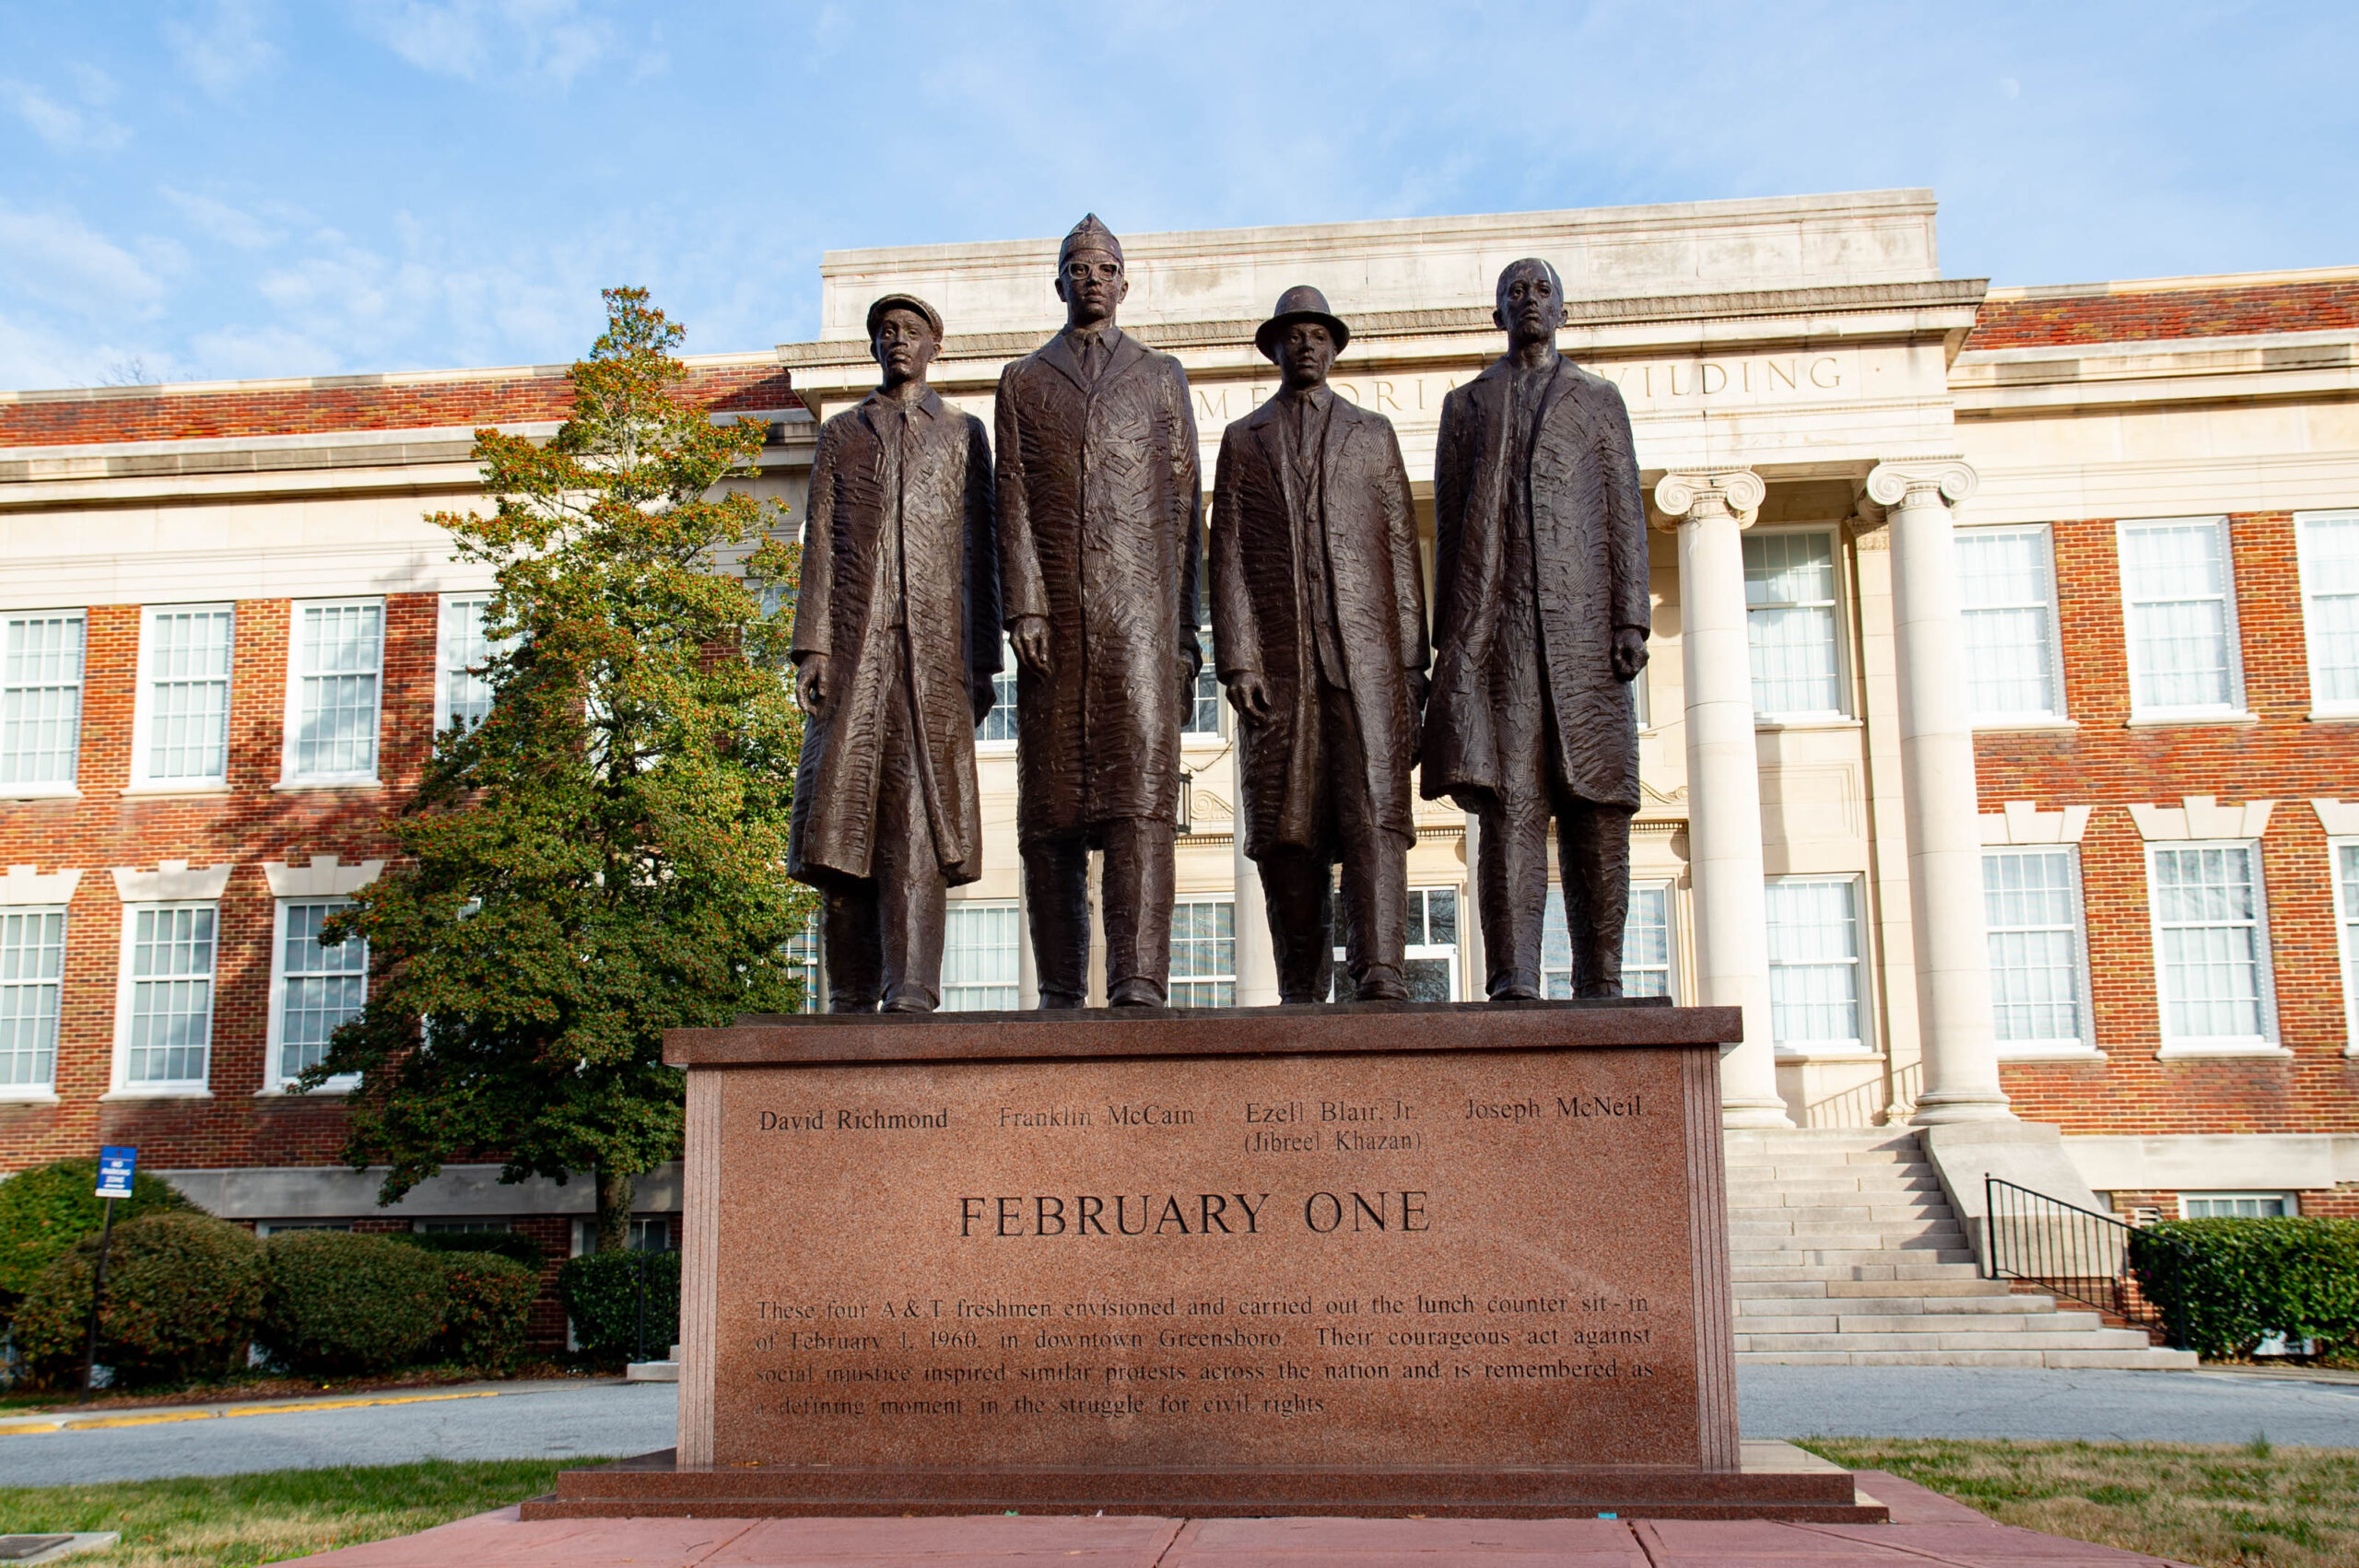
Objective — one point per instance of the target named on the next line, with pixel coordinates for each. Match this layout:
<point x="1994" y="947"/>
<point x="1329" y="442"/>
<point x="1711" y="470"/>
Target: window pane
<point x="999" y="724"/>
<point x="1813" y="963"/>
<point x="2033" y="917"/>
<point x="32" y="965"/>
<point x="2175" y="579"/>
<point x="2331" y="580"/>
<point x="2006" y="617"/>
<point x="1204" y="953"/>
<point x="803" y="953"/>
<point x="172" y="994"/>
<point x="978" y="958"/>
<point x="337" y="717"/>
<point x="1646" y="943"/>
<point x="40" y="697"/>
<point x="464" y="651"/>
<point x="1790" y="595"/>
<point x="1205" y="718"/>
<point x="188" y="695"/>
<point x="320" y="987"/>
<point x="2207" y="907"/>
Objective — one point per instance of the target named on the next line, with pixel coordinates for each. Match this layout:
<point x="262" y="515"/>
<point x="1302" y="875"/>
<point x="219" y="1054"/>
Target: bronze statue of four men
<point x="1081" y="541"/>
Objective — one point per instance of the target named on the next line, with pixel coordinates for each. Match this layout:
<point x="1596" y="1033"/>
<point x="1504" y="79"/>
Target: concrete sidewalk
<point x="1926" y="1528"/>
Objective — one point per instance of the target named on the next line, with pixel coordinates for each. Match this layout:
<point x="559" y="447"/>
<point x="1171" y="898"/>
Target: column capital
<point x="1922" y="480"/>
<point x="1711" y="492"/>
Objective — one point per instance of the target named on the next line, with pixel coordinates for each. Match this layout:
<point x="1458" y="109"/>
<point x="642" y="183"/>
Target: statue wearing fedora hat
<point x="1319" y="630"/>
<point x="1540" y="626"/>
<point x="895" y="641"/>
<point x="1100" y="521"/>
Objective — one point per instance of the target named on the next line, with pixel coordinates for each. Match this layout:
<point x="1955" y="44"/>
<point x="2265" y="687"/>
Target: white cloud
<point x="217" y="219"/>
<point x="479" y="39"/>
<point x="228" y="52"/>
<point x="35" y="356"/>
<point x="61" y="124"/>
<point x="55" y="258"/>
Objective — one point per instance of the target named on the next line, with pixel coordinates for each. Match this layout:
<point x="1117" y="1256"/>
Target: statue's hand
<point x="811" y="685"/>
<point x="1629" y="652"/>
<point x="1029" y="636"/>
<point x="1250" y="695"/>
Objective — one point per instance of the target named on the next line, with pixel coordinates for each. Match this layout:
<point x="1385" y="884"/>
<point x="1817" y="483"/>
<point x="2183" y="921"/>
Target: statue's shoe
<point x="1134" y="993"/>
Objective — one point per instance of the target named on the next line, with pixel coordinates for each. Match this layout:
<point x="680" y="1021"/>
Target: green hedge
<point x="505" y="1244"/>
<point x="490" y="1298"/>
<point x="184" y="1292"/>
<point x="339" y="1301"/>
<point x="2236" y="1282"/>
<point x="49" y="1207"/>
<point x="600" y="1295"/>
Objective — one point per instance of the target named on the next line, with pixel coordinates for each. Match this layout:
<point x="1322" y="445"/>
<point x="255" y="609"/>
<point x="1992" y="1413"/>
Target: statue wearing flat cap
<point x="896" y="639"/>
<point x="1540" y="626"/>
<point x="1100" y="517"/>
<point x="1319" y="630"/>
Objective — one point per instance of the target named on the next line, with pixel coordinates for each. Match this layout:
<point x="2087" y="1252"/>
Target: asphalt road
<point x="559" y="1420"/>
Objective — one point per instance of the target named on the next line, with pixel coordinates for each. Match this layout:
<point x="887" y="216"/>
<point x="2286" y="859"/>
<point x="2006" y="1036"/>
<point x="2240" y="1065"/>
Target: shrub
<point x="505" y="1244"/>
<point x="600" y="1295"/>
<point x="490" y="1299"/>
<point x="2226" y="1285"/>
<point x="49" y="1207"/>
<point x="341" y="1302"/>
<point x="183" y="1294"/>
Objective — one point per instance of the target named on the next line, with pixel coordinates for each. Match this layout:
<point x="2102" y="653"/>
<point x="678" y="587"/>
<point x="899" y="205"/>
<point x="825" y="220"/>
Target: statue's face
<point x="1529" y="309"/>
<point x="1091" y="285"/>
<point x="1305" y="351"/>
<point x="904" y="346"/>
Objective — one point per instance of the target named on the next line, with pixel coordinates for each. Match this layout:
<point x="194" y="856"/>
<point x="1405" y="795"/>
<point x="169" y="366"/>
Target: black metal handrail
<point x="2071" y="1251"/>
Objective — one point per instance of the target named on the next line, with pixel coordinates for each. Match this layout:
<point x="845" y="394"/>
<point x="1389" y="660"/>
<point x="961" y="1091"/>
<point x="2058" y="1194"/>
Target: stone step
<point x="1882" y="1269"/>
<point x="1871" y="1209"/>
<point x="1935" y="1237"/>
<point x="2088" y="1340"/>
<point x="2153" y="1358"/>
<point x="1773" y="1191"/>
<point x="1896" y="1304"/>
<point x="2013" y="1325"/>
<point x="1944" y="1280"/>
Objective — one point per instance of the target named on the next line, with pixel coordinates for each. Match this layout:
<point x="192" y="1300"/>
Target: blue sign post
<point x="117" y="1164"/>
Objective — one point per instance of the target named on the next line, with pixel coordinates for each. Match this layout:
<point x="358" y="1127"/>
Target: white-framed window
<point x="1792" y="625"/>
<point x="1646" y="943"/>
<point x="164" y="1000"/>
<point x="2014" y="668"/>
<point x="2031" y="908"/>
<point x="2211" y="947"/>
<point x="335" y="656"/>
<point x="459" y="1227"/>
<point x="462" y="685"/>
<point x="1430" y="955"/>
<point x="181" y="718"/>
<point x="2345" y="852"/>
<point x="1203" y="718"/>
<point x="265" y="1229"/>
<point x="1203" y="953"/>
<point x="2238" y="1205"/>
<point x="1814" y="962"/>
<point x="998" y="729"/>
<point x="312" y="988"/>
<point x="41" y="700"/>
<point x="979" y="955"/>
<point x="803" y="956"/>
<point x="645" y="1235"/>
<point x="1642" y="702"/>
<point x="2178" y="606"/>
<point x="32" y="975"/>
<point x="2328" y="549"/>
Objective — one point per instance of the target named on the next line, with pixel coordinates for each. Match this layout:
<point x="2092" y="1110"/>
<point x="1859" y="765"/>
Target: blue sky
<point x="199" y="189"/>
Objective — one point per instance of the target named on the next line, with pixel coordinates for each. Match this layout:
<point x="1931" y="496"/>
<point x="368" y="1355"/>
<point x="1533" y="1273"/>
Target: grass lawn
<point x="230" y="1521"/>
<point x="2248" y="1506"/>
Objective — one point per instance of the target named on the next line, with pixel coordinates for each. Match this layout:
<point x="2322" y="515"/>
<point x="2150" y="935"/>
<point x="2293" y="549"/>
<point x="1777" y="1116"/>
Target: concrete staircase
<point x="1846" y="1253"/>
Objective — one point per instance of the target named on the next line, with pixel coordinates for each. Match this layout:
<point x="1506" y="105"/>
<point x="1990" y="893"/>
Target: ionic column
<point x="1960" y="1046"/>
<point x="1724" y="779"/>
<point x="1257" y="961"/>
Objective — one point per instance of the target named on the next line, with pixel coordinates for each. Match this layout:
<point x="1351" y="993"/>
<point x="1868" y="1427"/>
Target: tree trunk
<point x="616" y="1190"/>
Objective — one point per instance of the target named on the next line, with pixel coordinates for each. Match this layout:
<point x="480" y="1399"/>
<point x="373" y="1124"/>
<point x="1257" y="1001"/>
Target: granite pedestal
<point x="1383" y="1259"/>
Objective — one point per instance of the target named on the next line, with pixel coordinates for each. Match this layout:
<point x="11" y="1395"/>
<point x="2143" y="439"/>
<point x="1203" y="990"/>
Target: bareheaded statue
<point x="897" y="637"/>
<point x="1540" y="626"/>
<point x="1319" y="632"/>
<point x="1100" y="518"/>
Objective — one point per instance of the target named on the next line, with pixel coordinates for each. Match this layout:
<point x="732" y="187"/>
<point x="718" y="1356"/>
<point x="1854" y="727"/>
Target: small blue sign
<point x="116" y="1162"/>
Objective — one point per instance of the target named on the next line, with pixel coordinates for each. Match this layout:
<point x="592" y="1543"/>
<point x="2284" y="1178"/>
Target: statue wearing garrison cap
<point x="1100" y="515"/>
<point x="1540" y="626"/>
<point x="895" y="641"/>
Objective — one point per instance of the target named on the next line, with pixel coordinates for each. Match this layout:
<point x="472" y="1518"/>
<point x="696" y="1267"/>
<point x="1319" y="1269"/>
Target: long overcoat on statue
<point x="1100" y="519"/>
<point x="1262" y="525"/>
<point x="949" y="570"/>
<point x="1589" y="525"/>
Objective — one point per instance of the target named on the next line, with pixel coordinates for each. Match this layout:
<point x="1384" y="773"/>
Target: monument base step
<point x="1776" y="1480"/>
